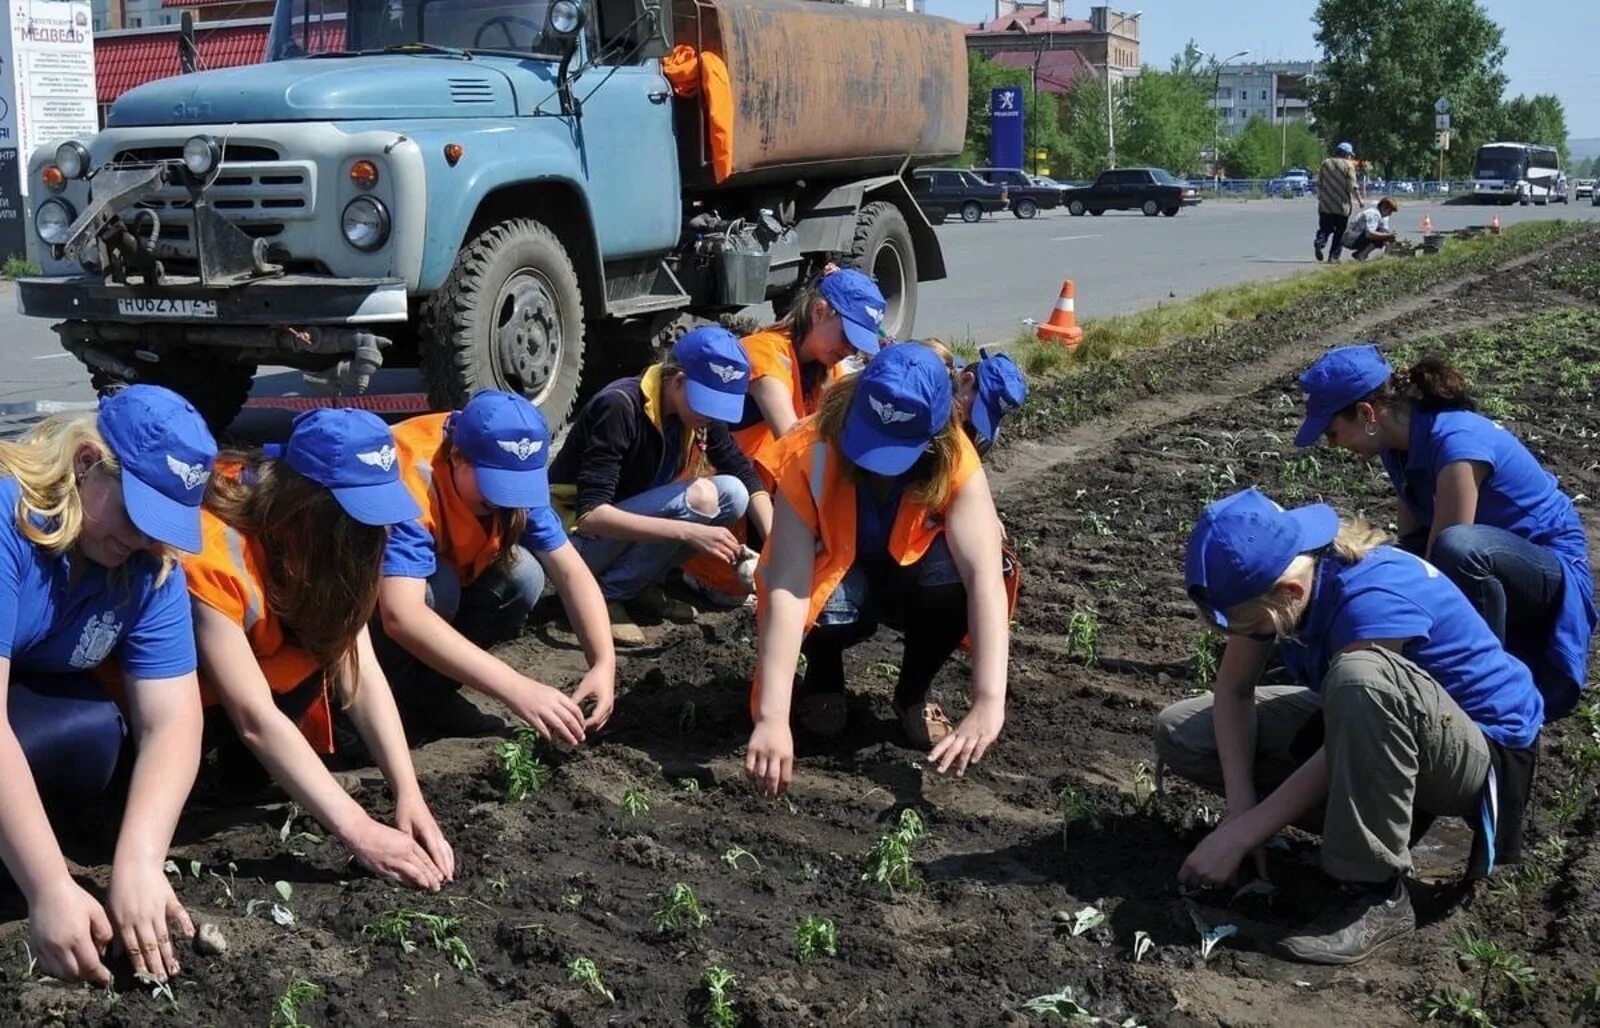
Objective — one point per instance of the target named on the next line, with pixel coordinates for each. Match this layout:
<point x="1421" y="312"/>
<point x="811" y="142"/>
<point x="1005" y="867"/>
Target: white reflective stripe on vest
<point x="252" y="596"/>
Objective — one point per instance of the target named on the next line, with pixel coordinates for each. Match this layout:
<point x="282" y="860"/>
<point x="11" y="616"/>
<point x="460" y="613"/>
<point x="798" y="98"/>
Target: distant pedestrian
<point x="1338" y="196"/>
<point x="1371" y="229"/>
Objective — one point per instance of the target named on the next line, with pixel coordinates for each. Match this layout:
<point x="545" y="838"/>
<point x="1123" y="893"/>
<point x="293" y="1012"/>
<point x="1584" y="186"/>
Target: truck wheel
<point x="1076" y="208"/>
<point x="1098" y="211"/>
<point x="1151" y="208"/>
<point x="217" y="389"/>
<point x="971" y="212"/>
<point x="882" y="248"/>
<point x="1025" y="209"/>
<point x="509" y="316"/>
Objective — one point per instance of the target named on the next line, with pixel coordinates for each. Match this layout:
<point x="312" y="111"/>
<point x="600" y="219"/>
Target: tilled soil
<point x="1099" y="505"/>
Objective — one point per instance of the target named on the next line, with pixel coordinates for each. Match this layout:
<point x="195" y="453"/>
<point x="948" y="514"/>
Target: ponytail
<point x="1434" y="384"/>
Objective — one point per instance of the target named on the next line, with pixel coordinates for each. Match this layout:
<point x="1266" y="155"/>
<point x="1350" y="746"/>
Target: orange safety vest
<point x="461" y="540"/>
<point x="772" y="355"/>
<point x="229" y="576"/>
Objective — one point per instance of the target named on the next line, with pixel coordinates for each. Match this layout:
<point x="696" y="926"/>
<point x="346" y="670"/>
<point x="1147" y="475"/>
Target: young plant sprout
<point x="286" y="1008"/>
<point x="889" y="863"/>
<point x="1207" y="656"/>
<point x="583" y="971"/>
<point x="1209" y="936"/>
<point x="1083" y="636"/>
<point x="719" y="983"/>
<point x="815" y="937"/>
<point x="1144" y="783"/>
<point x="1456" y="1006"/>
<point x="398" y="927"/>
<point x="635" y="803"/>
<point x="681" y="912"/>
<point x="1077" y="807"/>
<point x="525" y="773"/>
<point x="733" y="854"/>
<point x="1087" y="919"/>
<point x="1142" y="945"/>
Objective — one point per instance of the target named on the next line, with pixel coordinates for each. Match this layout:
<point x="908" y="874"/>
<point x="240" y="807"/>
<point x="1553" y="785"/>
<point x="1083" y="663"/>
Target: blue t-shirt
<point x="1517" y="495"/>
<point x="51" y="626"/>
<point x="1391" y="594"/>
<point x="411" y="550"/>
<point x="875" y="522"/>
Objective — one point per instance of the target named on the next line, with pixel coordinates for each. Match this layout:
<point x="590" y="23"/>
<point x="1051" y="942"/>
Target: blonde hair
<point x="49" y="510"/>
<point x="1356" y="538"/>
<point x="932" y="477"/>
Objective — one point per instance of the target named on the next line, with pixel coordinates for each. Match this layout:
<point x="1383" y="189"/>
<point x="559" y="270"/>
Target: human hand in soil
<point x="413" y="817"/>
<point x="712" y="539"/>
<point x="971" y="739"/>
<point x="69" y="932"/>
<point x="393" y="854"/>
<point x="143" y="907"/>
<point x="599" y="687"/>
<point x="550" y="712"/>
<point x="769" y="760"/>
<point x="1215" y="862"/>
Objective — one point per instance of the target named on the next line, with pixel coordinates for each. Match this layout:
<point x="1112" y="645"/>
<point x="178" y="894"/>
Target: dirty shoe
<point x="1364" y="919"/>
<point x="655" y="601"/>
<point x="624" y="631"/>
<point x="926" y="725"/>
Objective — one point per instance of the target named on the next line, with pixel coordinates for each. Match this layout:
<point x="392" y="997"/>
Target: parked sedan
<point x="1151" y="190"/>
<point x="1027" y="199"/>
<point x="941" y="192"/>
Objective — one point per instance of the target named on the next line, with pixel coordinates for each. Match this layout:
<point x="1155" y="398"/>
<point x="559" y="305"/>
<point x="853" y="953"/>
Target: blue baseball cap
<point x="1001" y="389"/>
<point x="506" y="440"/>
<point x="1242" y="543"/>
<point x="351" y="454"/>
<point x="166" y="453"/>
<point x="859" y="303"/>
<point x="1345" y="148"/>
<point x="902" y="401"/>
<point x="717" y="372"/>
<point x="1339" y="378"/>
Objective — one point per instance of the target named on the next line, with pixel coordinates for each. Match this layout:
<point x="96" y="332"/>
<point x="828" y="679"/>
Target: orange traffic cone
<point x="1063" y="324"/>
<point x="1494" y="225"/>
<point x="1427" y="225"/>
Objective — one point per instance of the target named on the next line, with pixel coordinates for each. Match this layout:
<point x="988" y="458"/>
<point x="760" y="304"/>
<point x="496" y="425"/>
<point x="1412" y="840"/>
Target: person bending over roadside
<point x="1406" y="707"/>
<point x="91" y="505"/>
<point x="883" y="515"/>
<point x="467" y="572"/>
<point x="1473" y="501"/>
<point x="1338" y="195"/>
<point x="650" y="475"/>
<point x="283" y="590"/>
<point x="1370" y="229"/>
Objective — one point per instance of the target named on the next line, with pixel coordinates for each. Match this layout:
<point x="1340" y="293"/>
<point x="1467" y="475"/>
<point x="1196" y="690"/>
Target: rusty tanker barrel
<point x="827" y="89"/>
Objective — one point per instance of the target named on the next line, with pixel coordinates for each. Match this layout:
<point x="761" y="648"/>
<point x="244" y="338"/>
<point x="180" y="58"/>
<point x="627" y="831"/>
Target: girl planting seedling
<point x="1406" y="707"/>
<point x="89" y="505"/>
<point x="283" y="589"/>
<point x="1473" y="501"/>
<point x="465" y="574"/>
<point x="884" y="515"/>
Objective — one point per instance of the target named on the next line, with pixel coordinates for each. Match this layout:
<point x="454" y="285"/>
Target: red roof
<point x="1057" y="68"/>
<point x="1031" y="18"/>
<point x="123" y="62"/>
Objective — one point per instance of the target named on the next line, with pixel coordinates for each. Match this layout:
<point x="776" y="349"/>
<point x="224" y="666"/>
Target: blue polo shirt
<point x="48" y="625"/>
<point x="412" y="552"/>
<point x="1517" y="495"/>
<point x="1391" y="594"/>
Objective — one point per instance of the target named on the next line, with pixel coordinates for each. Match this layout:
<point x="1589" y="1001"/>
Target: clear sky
<point x="1550" y="45"/>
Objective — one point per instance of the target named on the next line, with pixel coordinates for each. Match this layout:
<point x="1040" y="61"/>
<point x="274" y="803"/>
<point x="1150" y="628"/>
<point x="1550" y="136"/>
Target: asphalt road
<point x="1002" y="272"/>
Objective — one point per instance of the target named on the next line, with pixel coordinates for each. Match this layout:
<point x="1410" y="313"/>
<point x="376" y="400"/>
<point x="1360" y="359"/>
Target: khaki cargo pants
<point x="1396" y="744"/>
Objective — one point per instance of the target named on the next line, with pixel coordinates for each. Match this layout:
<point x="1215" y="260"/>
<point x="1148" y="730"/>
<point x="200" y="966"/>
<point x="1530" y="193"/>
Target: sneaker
<point x="822" y="714"/>
<point x="624" y="631"/>
<point x="1316" y="248"/>
<point x="926" y="725"/>
<point x="1334" y="259"/>
<point x="1363" y="253"/>
<point x="1367" y="918"/>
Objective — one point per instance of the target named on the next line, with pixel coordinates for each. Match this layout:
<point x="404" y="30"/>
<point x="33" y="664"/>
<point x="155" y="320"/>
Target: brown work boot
<point x="624" y="630"/>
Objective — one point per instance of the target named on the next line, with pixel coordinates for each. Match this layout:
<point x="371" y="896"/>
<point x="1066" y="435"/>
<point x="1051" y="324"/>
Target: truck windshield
<point x="301" y="28"/>
<point x="1500" y="164"/>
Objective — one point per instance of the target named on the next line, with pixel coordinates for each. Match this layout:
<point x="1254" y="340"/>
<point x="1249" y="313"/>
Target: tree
<point x="1385" y="62"/>
<point x="1170" y="120"/>
<point x="1539" y="119"/>
<point x="1254" y="152"/>
<point x="1042" y="130"/>
<point x="1083" y="121"/>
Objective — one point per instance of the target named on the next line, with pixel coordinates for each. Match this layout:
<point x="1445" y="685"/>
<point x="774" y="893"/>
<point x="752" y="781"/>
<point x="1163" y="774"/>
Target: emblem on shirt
<point x="382" y="458"/>
<point x="521" y="449"/>
<point x="97" y="640"/>
<point x="727" y="372"/>
<point x="888" y="413"/>
<point x="191" y="475"/>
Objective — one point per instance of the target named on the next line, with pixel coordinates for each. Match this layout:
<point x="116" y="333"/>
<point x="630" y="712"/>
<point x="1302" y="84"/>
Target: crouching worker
<point x="283" y="589"/>
<point x="986" y="391"/>
<point x="465" y="575"/>
<point x="1406" y="708"/>
<point x="651" y="476"/>
<point x="89" y="505"/>
<point x="1370" y="229"/>
<point x="1473" y="501"/>
<point x="884" y="515"/>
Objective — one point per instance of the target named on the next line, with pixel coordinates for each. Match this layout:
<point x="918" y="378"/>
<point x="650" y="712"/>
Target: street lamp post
<point x="1216" y="122"/>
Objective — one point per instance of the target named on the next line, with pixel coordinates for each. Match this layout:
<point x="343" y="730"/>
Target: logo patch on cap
<point x="522" y="449"/>
<point x="887" y="413"/>
<point x="727" y="372"/>
<point x="191" y="475"/>
<point x="876" y="314"/>
<point x="381" y="458"/>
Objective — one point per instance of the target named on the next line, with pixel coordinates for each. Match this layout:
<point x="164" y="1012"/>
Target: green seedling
<point x="1456" y="1006"/>
<point x="499" y="885"/>
<point x="635" y="803"/>
<point x="1077" y="807"/>
<point x="815" y="937"/>
<point x="1142" y="945"/>
<point x="525" y="772"/>
<point x="889" y="864"/>
<point x="719" y="983"/>
<point x="689" y="785"/>
<point x="399" y="926"/>
<point x="584" y="972"/>
<point x="1063" y="1005"/>
<point x="286" y="1008"/>
<point x="681" y="912"/>
<point x="1087" y="919"/>
<point x="735" y="853"/>
<point x="228" y="884"/>
<point x="1504" y="973"/>
<point x="158" y="989"/>
<point x="884" y="669"/>
<point x="1083" y="636"/>
<point x="1207" y="656"/>
<point x="1144" y="783"/>
<point x="1210" y="936"/>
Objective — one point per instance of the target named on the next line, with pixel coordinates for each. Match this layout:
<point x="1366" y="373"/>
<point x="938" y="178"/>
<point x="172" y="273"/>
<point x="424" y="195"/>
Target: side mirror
<point x="563" y="24"/>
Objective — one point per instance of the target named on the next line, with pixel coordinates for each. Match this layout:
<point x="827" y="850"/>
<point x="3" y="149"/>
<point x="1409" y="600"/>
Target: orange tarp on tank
<point x="705" y="75"/>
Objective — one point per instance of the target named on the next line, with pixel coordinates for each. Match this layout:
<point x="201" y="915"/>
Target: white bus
<point x="1518" y="173"/>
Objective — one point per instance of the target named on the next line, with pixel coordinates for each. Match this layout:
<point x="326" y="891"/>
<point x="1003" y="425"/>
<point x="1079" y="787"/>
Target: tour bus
<point x="1518" y="173"/>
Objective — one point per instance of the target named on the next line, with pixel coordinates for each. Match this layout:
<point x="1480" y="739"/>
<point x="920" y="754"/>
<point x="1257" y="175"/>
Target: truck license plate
<point x="144" y="307"/>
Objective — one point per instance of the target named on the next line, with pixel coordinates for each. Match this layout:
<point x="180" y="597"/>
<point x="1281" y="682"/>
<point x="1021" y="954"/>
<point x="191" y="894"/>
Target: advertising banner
<point x="1006" y="122"/>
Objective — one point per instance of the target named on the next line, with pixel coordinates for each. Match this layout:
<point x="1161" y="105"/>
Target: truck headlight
<point x="73" y="159"/>
<point x="52" y="219"/>
<point x="365" y="223"/>
<point x="201" y="155"/>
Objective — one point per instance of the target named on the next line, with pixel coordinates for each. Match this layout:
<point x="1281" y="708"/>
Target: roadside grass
<point x="18" y="267"/>
<point x="1105" y="339"/>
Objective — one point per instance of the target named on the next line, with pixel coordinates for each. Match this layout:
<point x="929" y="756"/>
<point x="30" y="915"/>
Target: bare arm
<point x="1455" y="497"/>
<point x="610" y="522"/>
<point x="775" y="403"/>
<point x="760" y="513"/>
<point x="586" y="610"/>
<point x="786" y="582"/>
<point x="1233" y="717"/>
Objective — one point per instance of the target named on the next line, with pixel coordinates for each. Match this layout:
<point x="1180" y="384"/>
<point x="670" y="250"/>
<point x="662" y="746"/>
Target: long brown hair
<point x="506" y="523"/>
<point x="1431" y="384"/>
<point x="323" y="565"/>
<point x="797" y="323"/>
<point x="932" y="477"/>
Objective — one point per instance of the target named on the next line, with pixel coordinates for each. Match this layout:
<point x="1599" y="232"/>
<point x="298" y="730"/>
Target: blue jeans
<point x="1516" y="585"/>
<point x="72" y="734"/>
<point x="625" y="567"/>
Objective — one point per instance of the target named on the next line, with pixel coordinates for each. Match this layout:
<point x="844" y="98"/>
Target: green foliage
<point x="1455" y="1006"/>
<point x="815" y="937"/>
<point x="635" y="803"/>
<point x="525" y="772"/>
<point x="1169" y="118"/>
<point x="1077" y="807"/>
<point x="1506" y="980"/>
<point x="583" y="971"/>
<point x="889" y="863"/>
<point x="19" y="267"/>
<point x="1083" y="636"/>
<point x="1207" y="657"/>
<point x="286" y="1008"/>
<point x="1535" y="119"/>
<point x="399" y="927"/>
<point x="719" y="983"/>
<point x="1144" y="782"/>
<point x="1042" y="130"/>
<point x="681" y="912"/>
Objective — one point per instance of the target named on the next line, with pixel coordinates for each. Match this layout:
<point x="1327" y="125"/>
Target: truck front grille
<point x="258" y="196"/>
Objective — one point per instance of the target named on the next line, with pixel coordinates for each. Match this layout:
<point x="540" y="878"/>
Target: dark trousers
<point x="1330" y="231"/>
<point x="72" y="734"/>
